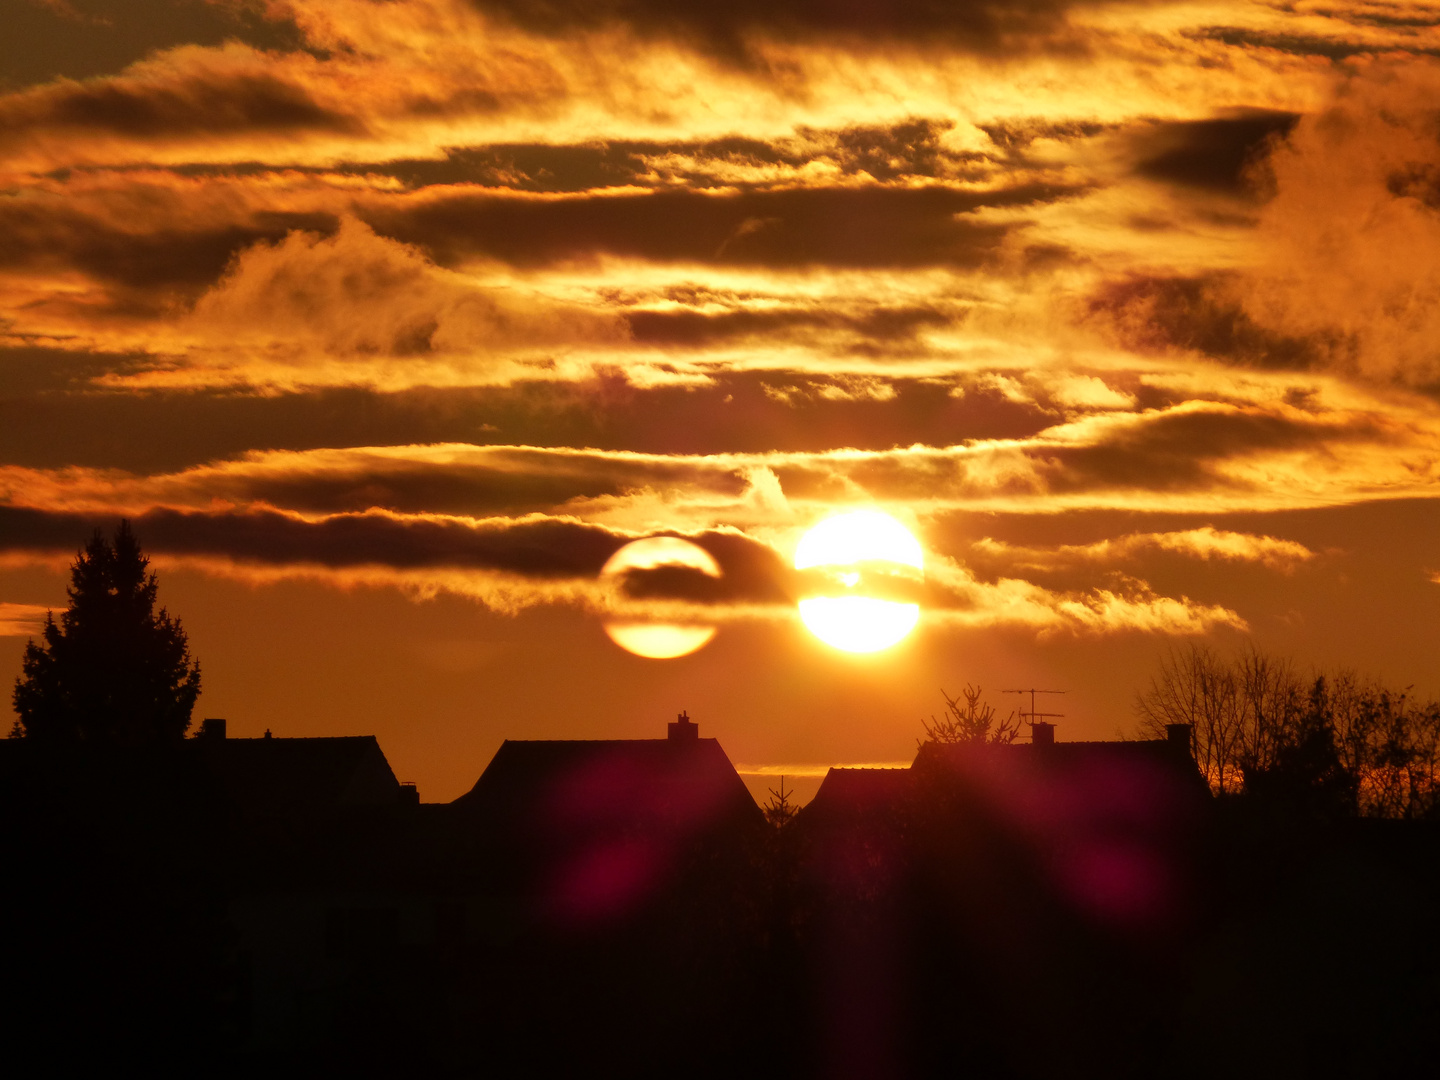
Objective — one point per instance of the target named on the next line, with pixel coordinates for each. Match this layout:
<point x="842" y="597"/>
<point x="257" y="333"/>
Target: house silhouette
<point x="584" y="876"/>
<point x="621" y="905"/>
<point x="279" y="778"/>
<point x="675" y="786"/>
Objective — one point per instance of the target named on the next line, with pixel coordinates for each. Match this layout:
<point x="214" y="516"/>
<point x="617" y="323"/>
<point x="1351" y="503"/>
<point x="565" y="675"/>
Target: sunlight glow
<point x="850" y="538"/>
<point x="657" y="551"/>
<point x="848" y="547"/>
<point x="658" y="640"/>
<point x="858" y="624"/>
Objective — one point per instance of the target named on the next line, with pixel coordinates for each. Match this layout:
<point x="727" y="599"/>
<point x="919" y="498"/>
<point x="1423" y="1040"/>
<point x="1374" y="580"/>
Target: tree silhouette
<point x="1390" y="742"/>
<point x="779" y="811"/>
<point x="1200" y="688"/>
<point x="972" y="722"/>
<point x="1245" y="712"/>
<point x="1305" y="770"/>
<point x="1339" y="742"/>
<point x="113" y="670"/>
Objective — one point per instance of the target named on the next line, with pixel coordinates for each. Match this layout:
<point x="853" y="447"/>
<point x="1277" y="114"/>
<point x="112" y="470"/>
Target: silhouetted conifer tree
<point x="113" y="670"/>
<point x="779" y="811"/>
<point x="973" y="722"/>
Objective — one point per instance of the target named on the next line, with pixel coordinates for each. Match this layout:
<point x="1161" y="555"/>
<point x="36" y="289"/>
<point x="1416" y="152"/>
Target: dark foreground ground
<point x="980" y="919"/>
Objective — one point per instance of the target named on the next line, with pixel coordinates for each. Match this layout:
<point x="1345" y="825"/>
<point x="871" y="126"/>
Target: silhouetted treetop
<point x="1334" y="744"/>
<point x="113" y="670"/>
<point x="779" y="811"/>
<point x="973" y="722"/>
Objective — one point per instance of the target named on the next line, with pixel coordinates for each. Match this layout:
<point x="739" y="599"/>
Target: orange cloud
<point x="1072" y="241"/>
<point x="1203" y="543"/>
<point x="357" y="295"/>
<point x="1335" y="448"/>
<point x="21" y="620"/>
<point x="409" y="77"/>
<point x="1349" y="247"/>
<point x="1013" y="601"/>
<point x="511" y="565"/>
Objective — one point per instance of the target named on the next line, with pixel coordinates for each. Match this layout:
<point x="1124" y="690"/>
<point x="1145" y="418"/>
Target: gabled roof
<point x="1164" y="753"/>
<point x="588" y="833"/>
<point x="621" y="783"/>
<point x="1121" y="776"/>
<point x="286" y="777"/>
<point x="847" y="794"/>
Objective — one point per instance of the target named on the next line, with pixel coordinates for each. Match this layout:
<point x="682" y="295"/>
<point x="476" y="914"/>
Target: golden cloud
<point x="1013" y="601"/>
<point x="1334" y="447"/>
<point x="1204" y="543"/>
<point x="22" y="620"/>
<point x="355" y="295"/>
<point x="1349" y="246"/>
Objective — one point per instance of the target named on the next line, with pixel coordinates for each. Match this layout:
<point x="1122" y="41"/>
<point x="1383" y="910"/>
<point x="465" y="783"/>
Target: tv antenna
<point x="1032" y="714"/>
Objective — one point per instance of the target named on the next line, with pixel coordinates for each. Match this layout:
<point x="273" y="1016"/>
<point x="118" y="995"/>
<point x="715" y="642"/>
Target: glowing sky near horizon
<point x="389" y="324"/>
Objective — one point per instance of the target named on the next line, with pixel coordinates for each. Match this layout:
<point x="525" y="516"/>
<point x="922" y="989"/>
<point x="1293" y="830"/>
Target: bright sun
<point x="860" y="563"/>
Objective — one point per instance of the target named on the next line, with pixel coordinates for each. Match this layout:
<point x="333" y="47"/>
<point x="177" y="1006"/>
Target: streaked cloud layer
<point x="456" y="297"/>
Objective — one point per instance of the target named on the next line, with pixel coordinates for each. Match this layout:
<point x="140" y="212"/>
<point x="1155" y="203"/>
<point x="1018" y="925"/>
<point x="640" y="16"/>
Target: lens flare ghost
<point x="658" y="639"/>
<point x="860" y="566"/>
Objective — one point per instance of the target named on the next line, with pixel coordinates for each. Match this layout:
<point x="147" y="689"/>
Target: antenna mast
<point x="1032" y="714"/>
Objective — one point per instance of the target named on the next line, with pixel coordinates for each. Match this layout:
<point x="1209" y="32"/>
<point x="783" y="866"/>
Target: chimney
<point x="1042" y="734"/>
<point x="409" y="793"/>
<point x="1178" y="736"/>
<point x="212" y="727"/>
<point x="683" y="730"/>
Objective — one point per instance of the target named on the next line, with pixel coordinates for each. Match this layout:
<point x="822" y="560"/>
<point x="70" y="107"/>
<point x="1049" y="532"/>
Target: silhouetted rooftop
<point x="269" y="777"/>
<point x="688" y="782"/>
<point x="846" y="793"/>
<point x="274" y="777"/>
<point x="1008" y="771"/>
<point x="1058" y="754"/>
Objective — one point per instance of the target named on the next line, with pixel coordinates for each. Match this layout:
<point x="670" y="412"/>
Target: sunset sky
<point x="388" y="323"/>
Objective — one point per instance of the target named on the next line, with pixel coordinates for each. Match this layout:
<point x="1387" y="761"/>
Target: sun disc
<point x="658" y="639"/>
<point x="655" y="551"/>
<point x="838" y="611"/>
<point x="858" y="624"/>
<point x="855" y="537"/>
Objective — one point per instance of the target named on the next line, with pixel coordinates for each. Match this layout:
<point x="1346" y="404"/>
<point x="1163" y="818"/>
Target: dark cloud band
<point x="843" y="227"/>
<point x="546" y="549"/>
<point x="730" y="31"/>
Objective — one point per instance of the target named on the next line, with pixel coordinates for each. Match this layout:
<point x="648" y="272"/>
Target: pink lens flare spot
<point x="1120" y="883"/>
<point x="604" y="882"/>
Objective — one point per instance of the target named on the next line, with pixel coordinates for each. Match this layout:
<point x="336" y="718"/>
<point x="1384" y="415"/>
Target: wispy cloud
<point x="1197" y="456"/>
<point x="1013" y="601"/>
<point x="1203" y="543"/>
<point x="21" y="620"/>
